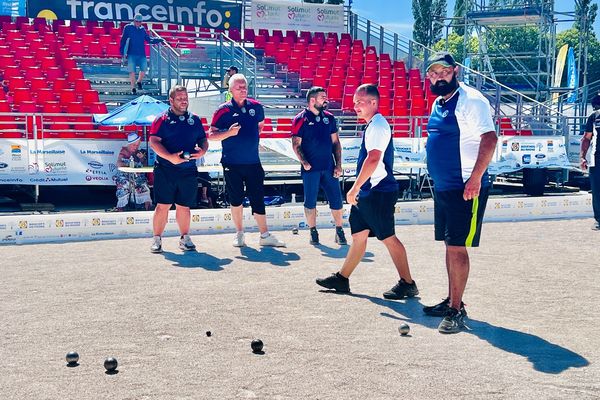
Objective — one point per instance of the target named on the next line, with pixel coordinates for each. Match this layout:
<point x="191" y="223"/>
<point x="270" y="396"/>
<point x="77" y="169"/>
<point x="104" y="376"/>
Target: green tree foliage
<point x="460" y="9"/>
<point x="455" y="45"/>
<point x="571" y="38"/>
<point x="428" y="16"/>
<point x="587" y="11"/>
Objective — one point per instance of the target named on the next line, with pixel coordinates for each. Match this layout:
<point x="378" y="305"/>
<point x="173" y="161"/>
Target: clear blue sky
<point x="397" y="14"/>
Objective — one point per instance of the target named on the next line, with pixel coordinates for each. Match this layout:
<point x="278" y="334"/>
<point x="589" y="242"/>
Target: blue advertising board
<point x="12" y="7"/>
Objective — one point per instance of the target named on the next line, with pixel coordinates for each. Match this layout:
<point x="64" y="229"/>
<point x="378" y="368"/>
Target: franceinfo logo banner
<point x="206" y="14"/>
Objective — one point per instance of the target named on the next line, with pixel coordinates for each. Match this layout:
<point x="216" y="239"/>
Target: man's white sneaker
<point x="272" y="241"/>
<point x="238" y="240"/>
<point x="156" y="245"/>
<point x="186" y="244"/>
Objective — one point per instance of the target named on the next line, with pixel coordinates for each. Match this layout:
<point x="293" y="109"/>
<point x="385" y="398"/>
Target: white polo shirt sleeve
<point x="378" y="134"/>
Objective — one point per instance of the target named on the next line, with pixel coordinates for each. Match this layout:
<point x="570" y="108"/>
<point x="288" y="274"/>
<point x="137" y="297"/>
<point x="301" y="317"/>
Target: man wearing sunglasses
<point x="460" y="144"/>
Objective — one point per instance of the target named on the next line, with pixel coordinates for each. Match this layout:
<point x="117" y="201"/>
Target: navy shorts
<point x="312" y="180"/>
<point x="458" y="222"/>
<point x="375" y="213"/>
<point x="179" y="186"/>
<point x="137" y="61"/>
<point x="250" y="176"/>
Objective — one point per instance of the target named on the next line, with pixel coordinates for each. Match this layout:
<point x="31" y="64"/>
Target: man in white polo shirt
<point x="373" y="198"/>
<point x="460" y="144"/>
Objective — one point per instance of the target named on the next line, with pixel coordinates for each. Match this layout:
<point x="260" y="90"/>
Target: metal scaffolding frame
<point x="529" y="71"/>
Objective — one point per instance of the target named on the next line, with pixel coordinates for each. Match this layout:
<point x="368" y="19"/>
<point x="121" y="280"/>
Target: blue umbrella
<point x="140" y="111"/>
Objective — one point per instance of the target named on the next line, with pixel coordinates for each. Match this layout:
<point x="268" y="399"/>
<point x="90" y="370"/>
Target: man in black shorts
<point x="178" y="139"/>
<point x="460" y="145"/>
<point x="590" y="157"/>
<point x="237" y="125"/>
<point x="373" y="197"/>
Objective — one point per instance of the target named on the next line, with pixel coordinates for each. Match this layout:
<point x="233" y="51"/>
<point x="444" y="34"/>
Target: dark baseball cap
<point x="442" y="58"/>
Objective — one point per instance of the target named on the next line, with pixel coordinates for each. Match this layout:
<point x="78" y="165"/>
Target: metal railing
<point x="164" y="66"/>
<point x="233" y="53"/>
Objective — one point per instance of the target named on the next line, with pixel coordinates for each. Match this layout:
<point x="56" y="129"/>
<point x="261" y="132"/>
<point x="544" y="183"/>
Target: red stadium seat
<point x="45" y="95"/>
<point x="81" y="85"/>
<point x="90" y="97"/>
<point x="97" y="107"/>
<point x="21" y="95"/>
<point x="67" y="97"/>
<point x="38" y="83"/>
<point x="74" y="74"/>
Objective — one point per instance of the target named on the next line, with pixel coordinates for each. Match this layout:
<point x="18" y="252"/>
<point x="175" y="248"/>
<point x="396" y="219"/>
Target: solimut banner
<point x="206" y="14"/>
<point x="287" y="15"/>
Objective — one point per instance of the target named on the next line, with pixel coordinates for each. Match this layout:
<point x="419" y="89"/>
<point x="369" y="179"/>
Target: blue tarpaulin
<point x="140" y="111"/>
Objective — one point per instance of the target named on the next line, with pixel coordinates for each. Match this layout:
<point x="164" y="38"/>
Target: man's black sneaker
<point x="314" y="236"/>
<point x="335" y="282"/>
<point x="340" y="236"/>
<point x="440" y="309"/>
<point x="401" y="290"/>
<point x="453" y="322"/>
<point x="139" y="85"/>
<point x="133" y="90"/>
<point x="596" y="226"/>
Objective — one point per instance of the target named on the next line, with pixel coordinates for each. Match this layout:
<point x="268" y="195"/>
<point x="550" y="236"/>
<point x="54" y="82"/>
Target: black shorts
<point x="252" y="176"/>
<point x="179" y="186"/>
<point x="375" y="213"/>
<point x="458" y="222"/>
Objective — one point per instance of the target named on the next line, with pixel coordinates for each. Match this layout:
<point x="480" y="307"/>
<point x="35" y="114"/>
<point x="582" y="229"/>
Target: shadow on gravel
<point x="269" y="255"/>
<point x="333" y="252"/>
<point x="194" y="259"/>
<point x="546" y="357"/>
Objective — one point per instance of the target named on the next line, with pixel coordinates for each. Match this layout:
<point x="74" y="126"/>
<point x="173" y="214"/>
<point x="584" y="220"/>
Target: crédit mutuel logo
<point x="214" y="14"/>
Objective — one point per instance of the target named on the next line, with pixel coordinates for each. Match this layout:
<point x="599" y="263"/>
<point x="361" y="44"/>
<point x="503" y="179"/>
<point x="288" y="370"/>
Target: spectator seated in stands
<point x="207" y="196"/>
<point x="128" y="182"/>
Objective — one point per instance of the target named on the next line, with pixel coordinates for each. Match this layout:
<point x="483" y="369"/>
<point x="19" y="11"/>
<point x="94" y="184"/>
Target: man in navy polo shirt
<point x="373" y="197"/>
<point x="237" y="125"/>
<point x="460" y="145"/>
<point x="178" y="139"/>
<point x="317" y="145"/>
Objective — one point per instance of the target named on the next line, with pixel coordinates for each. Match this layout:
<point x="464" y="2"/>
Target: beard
<point x="443" y="88"/>
<point x="322" y="107"/>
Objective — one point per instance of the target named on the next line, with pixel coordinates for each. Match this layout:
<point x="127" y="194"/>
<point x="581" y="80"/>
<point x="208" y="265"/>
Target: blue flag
<point x="572" y="78"/>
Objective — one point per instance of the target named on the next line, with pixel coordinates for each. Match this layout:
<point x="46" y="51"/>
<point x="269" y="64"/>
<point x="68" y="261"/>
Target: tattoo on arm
<point x="337" y="152"/>
<point x="296" y="143"/>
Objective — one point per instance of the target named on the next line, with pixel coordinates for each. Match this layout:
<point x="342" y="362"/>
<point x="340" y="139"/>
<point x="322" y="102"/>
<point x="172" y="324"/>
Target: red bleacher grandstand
<point x="40" y="62"/>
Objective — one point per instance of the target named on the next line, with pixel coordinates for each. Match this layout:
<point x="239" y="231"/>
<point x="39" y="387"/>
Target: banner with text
<point x="207" y="14"/>
<point x="58" y="162"/>
<point x="12" y="7"/>
<point x="287" y="15"/>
